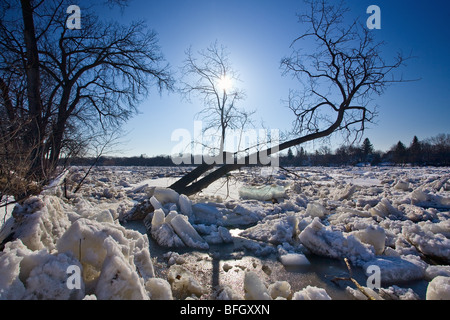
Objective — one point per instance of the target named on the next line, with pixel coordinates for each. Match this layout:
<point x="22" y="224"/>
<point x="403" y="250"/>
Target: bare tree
<point x="210" y="76"/>
<point x="53" y="78"/>
<point x="340" y="73"/>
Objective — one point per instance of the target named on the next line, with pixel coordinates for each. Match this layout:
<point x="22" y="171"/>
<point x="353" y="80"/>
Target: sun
<point x="225" y="83"/>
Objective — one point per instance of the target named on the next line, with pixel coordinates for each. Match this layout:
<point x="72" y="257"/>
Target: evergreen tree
<point x="367" y="149"/>
<point x="400" y="153"/>
<point x="415" y="151"/>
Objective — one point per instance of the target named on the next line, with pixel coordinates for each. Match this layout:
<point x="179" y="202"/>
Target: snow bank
<point x="40" y="221"/>
<point x="53" y="236"/>
<point x="28" y="274"/>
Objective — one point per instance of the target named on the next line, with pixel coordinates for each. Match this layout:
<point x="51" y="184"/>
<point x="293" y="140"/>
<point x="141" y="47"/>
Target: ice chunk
<point x="187" y="233"/>
<point x="217" y="235"/>
<point x="185" y="205"/>
<point x="439" y="289"/>
<point x="442" y="227"/>
<point x="402" y="185"/>
<point x="166" y="195"/>
<point x="315" y="209"/>
<point x="118" y="278"/>
<point x="170" y="216"/>
<point x="155" y="203"/>
<point x="274" y="231"/>
<point x="311" y="293"/>
<point x="227" y="293"/>
<point x="346" y="193"/>
<point x="159" y="289"/>
<point x="280" y="289"/>
<point x="158" y="218"/>
<point x="262" y="193"/>
<point x="254" y="287"/>
<point x="165" y="236"/>
<point x="323" y="241"/>
<point x="434" y="271"/>
<point x="244" y="214"/>
<point x="427" y="242"/>
<point x="294" y="259"/>
<point x="396" y="293"/>
<point x="398" y="269"/>
<point x="205" y="213"/>
<point x="425" y="199"/>
<point x="374" y="236"/>
<point x="183" y="282"/>
<point x="384" y="208"/>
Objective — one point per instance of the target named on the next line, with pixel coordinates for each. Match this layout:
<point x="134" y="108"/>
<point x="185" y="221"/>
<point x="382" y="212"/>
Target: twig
<point x="350" y="278"/>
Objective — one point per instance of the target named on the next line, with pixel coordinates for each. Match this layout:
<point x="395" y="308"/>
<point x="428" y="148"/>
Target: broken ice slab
<point x="262" y="193"/>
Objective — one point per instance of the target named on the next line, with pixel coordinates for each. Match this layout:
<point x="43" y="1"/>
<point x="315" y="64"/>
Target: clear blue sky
<point x="258" y="34"/>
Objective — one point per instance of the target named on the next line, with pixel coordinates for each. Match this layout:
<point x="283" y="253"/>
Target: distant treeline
<point x="433" y="151"/>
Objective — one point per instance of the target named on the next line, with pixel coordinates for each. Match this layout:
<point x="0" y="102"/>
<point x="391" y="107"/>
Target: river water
<point x="226" y="265"/>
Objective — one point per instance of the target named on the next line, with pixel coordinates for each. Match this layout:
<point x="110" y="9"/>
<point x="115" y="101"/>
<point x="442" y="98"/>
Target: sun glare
<point x="225" y="83"/>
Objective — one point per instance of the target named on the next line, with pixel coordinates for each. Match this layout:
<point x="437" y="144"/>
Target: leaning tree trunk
<point x="186" y="185"/>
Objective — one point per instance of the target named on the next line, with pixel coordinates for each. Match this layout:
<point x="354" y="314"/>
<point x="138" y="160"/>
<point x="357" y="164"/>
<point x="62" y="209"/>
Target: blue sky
<point x="258" y="34"/>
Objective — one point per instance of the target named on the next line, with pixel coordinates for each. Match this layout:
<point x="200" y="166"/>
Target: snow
<point x="393" y="218"/>
<point x="311" y="293"/>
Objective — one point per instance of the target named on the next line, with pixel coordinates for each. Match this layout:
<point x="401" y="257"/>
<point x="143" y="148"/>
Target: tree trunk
<point x="183" y="185"/>
<point x="34" y="134"/>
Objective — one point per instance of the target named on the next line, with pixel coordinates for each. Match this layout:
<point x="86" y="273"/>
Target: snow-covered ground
<point x="248" y="236"/>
